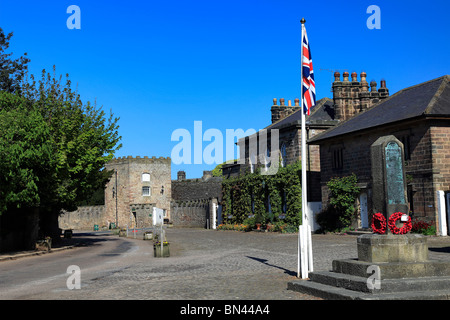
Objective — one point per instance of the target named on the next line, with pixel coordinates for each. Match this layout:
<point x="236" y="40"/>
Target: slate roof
<point x="322" y="113"/>
<point x="431" y="98"/>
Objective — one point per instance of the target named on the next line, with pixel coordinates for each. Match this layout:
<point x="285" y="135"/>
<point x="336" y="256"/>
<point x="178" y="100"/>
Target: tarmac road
<point x="45" y="276"/>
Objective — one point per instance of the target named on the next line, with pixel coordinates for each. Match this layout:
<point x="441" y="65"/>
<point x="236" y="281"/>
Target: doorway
<point x="363" y="210"/>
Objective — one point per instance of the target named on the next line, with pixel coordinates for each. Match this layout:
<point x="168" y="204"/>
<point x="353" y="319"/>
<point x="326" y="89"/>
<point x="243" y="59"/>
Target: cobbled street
<point x="207" y="264"/>
<point x="203" y="265"/>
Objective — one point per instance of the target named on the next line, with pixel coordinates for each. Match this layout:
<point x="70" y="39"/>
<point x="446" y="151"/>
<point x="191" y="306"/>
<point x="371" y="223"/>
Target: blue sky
<point x="161" y="65"/>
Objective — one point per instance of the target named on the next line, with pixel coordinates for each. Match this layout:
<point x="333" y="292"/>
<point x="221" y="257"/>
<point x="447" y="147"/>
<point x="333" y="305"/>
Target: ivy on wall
<point x="268" y="198"/>
<point x="342" y="210"/>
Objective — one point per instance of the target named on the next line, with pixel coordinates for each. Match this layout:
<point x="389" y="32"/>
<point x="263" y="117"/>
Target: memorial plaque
<point x="394" y="174"/>
<point x="388" y="177"/>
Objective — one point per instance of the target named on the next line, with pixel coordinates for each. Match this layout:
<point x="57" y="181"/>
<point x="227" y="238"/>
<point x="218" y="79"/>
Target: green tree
<point x="11" y="71"/>
<point x="25" y="150"/>
<point x="53" y="149"/>
<point x="83" y="140"/>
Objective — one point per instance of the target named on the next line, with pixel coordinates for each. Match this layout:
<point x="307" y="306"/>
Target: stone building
<point x="136" y="186"/>
<point x="350" y="97"/>
<point x="419" y="117"/>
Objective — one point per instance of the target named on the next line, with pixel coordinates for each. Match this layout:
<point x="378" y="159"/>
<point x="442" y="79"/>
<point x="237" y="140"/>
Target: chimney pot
<point x="363" y="76"/>
<point x="346" y="74"/>
<point x="337" y="76"/>
<point x="282" y="102"/>
<point x="297" y="101"/>
<point x="289" y="103"/>
<point x="383" y="83"/>
<point x="274" y="101"/>
<point x="354" y="76"/>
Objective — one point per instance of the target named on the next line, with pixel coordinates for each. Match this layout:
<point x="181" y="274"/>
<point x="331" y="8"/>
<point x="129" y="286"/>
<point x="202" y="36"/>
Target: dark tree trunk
<point x="49" y="225"/>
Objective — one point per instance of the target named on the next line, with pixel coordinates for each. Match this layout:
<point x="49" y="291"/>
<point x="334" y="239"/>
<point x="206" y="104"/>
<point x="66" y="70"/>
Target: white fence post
<point x="441" y="213"/>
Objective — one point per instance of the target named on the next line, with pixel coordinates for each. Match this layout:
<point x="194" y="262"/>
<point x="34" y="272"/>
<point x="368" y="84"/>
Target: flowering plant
<point x="158" y="243"/>
<point x="379" y="223"/>
<point x="406" y="225"/>
<point x="236" y="227"/>
<point x="421" y="226"/>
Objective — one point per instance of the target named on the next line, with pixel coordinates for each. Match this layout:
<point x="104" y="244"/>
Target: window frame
<point x="149" y="191"/>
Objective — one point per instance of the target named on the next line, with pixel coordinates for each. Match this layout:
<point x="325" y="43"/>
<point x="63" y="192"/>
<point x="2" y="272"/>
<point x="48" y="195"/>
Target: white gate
<point x="442" y="213"/>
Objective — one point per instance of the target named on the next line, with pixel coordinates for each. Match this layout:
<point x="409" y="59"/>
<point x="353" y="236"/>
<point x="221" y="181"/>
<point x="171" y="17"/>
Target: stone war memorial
<point x="392" y="264"/>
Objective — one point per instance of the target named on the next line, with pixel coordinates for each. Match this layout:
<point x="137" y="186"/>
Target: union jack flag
<point x="308" y="84"/>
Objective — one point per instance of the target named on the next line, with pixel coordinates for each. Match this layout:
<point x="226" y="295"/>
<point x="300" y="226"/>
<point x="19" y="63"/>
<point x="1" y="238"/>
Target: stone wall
<point x="191" y="214"/>
<point x="194" y="189"/>
<point x="84" y="218"/>
<point x="193" y="199"/>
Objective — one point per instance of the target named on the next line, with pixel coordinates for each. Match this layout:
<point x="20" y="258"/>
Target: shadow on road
<point x="264" y="261"/>
<point x="85" y="239"/>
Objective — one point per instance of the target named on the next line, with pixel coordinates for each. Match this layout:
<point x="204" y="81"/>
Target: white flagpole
<point x="303" y="249"/>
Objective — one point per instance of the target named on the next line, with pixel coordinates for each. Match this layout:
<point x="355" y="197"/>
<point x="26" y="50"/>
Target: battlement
<point x="138" y="159"/>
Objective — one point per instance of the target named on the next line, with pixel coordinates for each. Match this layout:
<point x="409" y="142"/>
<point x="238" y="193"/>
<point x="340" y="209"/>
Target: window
<point x="252" y="166"/>
<point x="406" y="146"/>
<point x="267" y="159"/>
<point x="146" y="177"/>
<point x="146" y="191"/>
<point x="337" y="158"/>
<point x="283" y="155"/>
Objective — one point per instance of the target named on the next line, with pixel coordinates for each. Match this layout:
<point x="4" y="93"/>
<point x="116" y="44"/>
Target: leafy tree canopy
<point x="11" y="71"/>
<point x="52" y="145"/>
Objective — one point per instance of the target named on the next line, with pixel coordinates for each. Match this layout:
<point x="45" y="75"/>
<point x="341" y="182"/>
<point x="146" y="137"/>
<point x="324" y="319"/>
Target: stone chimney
<point x="281" y="111"/>
<point x="383" y="91"/>
<point x="207" y="175"/>
<point x="352" y="97"/>
<point x="181" y="175"/>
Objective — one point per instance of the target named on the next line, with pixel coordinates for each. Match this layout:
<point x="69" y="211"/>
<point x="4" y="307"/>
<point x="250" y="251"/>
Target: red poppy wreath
<point x="407" y="225"/>
<point x="379" y="223"/>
